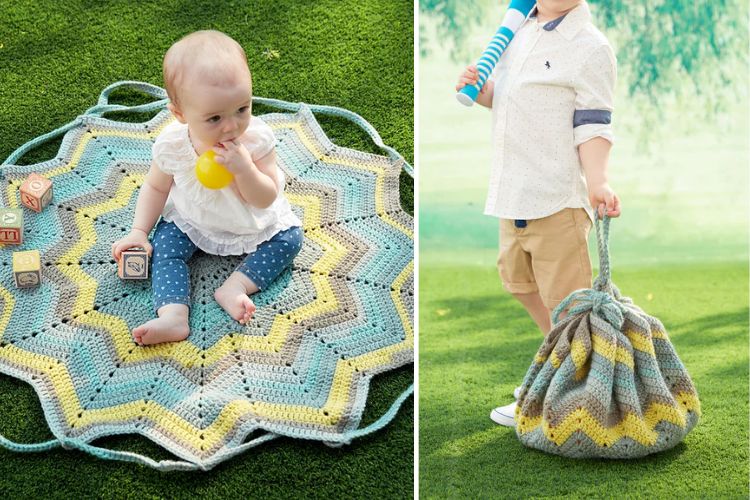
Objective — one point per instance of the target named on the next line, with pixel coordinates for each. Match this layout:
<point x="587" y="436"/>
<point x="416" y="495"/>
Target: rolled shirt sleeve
<point x="595" y="88"/>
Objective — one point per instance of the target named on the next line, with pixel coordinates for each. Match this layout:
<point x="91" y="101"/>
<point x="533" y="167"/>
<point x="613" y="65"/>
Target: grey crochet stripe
<point x="606" y="381"/>
<point x="340" y="315"/>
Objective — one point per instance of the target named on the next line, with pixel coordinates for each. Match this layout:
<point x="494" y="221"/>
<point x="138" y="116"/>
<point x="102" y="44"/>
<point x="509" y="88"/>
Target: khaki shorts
<point x="549" y="256"/>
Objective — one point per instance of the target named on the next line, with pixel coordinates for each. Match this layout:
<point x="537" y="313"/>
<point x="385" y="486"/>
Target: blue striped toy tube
<point x="514" y="17"/>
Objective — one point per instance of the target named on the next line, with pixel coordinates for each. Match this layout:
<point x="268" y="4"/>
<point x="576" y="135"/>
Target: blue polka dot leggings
<point x="170" y="278"/>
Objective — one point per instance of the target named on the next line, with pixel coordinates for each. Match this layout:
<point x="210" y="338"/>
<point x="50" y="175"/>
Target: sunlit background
<point x="679" y="250"/>
<point x="680" y="159"/>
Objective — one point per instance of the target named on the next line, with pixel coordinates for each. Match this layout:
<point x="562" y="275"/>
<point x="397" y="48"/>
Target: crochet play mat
<point x="301" y="368"/>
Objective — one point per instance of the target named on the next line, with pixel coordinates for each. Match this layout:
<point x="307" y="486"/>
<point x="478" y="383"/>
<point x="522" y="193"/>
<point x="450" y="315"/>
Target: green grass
<point x="679" y="250"/>
<point x="56" y="59"/>
<point x="476" y="343"/>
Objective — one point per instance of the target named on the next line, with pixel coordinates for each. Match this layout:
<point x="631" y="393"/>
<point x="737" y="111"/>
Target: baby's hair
<point x="207" y="54"/>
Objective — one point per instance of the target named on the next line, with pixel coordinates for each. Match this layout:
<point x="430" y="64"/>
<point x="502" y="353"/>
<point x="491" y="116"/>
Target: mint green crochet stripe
<point x="168" y="465"/>
<point x="103" y="106"/>
<point x="343" y="113"/>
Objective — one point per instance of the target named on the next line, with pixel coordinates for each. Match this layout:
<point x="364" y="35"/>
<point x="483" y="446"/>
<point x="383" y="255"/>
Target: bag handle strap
<point x="103" y="106"/>
<point x="603" y="282"/>
<point x="603" y="298"/>
<point x="169" y="465"/>
<point x="341" y="113"/>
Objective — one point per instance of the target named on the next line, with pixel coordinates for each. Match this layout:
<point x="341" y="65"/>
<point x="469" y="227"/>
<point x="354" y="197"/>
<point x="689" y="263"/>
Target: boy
<point x="551" y="96"/>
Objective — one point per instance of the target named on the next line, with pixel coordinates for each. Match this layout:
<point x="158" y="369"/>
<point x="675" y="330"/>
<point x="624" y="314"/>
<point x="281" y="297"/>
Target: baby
<point x="551" y="97"/>
<point x="209" y="86"/>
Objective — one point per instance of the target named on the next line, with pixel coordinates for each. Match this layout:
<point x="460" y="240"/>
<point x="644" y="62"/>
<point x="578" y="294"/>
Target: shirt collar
<point x="574" y="21"/>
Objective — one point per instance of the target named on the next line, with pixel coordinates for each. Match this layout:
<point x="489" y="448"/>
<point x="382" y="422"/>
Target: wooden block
<point x="11" y="226"/>
<point x="27" y="269"/>
<point x="36" y="192"/>
<point x="133" y="265"/>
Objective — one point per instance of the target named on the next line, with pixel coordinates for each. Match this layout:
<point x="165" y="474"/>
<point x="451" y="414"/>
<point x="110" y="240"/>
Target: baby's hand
<point x="470" y="76"/>
<point x="136" y="238"/>
<point x="603" y="197"/>
<point x="234" y="156"/>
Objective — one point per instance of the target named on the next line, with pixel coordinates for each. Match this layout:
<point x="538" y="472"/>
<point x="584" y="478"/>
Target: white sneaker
<point x="517" y="392"/>
<point x="504" y="415"/>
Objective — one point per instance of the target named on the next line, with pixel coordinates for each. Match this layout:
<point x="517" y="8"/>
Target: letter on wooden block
<point x="11" y="226"/>
<point x="27" y="268"/>
<point x="36" y="192"/>
<point x="133" y="265"/>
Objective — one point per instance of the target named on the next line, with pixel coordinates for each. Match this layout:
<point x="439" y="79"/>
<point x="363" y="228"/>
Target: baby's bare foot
<point x="170" y="326"/>
<point x="234" y="300"/>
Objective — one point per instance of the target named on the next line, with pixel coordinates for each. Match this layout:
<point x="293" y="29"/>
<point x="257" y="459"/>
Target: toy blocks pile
<point x="36" y="193"/>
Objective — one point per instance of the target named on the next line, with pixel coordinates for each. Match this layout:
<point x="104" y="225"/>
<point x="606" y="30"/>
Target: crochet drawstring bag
<point x="606" y="382"/>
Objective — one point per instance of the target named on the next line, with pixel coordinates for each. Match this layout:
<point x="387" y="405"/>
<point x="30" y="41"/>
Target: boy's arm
<point x="151" y="199"/>
<point x="594" y="155"/>
<point x="485" y="95"/>
<point x="592" y="129"/>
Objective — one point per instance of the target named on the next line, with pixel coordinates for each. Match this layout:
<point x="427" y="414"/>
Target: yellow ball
<point x="210" y="173"/>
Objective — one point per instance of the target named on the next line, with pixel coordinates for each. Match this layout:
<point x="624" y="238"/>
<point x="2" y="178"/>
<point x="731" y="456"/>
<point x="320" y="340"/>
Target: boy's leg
<point x="559" y="252"/>
<point x="256" y="271"/>
<point x="539" y="265"/>
<point x="170" y="282"/>
<point x="516" y="273"/>
<point x="536" y="309"/>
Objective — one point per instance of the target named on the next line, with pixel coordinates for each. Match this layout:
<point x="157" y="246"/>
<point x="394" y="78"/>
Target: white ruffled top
<point x="217" y="220"/>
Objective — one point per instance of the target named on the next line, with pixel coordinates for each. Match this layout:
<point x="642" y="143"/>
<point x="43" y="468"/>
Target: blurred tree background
<point x="681" y="152"/>
<point x="680" y="249"/>
<point x="665" y="48"/>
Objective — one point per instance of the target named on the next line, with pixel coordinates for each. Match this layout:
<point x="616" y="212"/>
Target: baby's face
<point x="216" y="113"/>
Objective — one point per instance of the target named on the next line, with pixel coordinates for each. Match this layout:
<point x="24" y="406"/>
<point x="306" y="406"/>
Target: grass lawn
<point x="56" y="59"/>
<point x="476" y="343"/>
<point x="679" y="250"/>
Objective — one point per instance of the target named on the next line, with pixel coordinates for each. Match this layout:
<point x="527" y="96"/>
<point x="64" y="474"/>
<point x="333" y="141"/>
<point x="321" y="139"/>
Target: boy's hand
<point x="602" y="198"/>
<point x="470" y="76"/>
<point x="234" y="156"/>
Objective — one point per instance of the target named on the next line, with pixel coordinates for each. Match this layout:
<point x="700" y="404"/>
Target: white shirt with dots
<point x="554" y="90"/>
<point x="217" y="220"/>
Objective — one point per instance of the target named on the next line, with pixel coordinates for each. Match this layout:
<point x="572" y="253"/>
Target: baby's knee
<point x="296" y="238"/>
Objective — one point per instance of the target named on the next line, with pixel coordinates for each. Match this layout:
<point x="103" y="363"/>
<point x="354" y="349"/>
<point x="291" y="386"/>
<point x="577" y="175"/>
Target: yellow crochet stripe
<point x="333" y="251"/>
<point x="183" y="350"/>
<point x="84" y="218"/>
<point x="14" y="185"/>
<point x="640" y="342"/>
<point x="638" y="429"/>
<point x="613" y="353"/>
<point x="554" y="359"/>
<point x="579" y="355"/>
<point x="378" y="171"/>
<point x="385" y="355"/>
<point x="658" y="334"/>
<point x="9" y="303"/>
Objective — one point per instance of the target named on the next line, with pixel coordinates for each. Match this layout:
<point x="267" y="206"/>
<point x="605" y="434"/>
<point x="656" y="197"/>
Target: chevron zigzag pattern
<point x="301" y="368"/>
<point x="596" y="391"/>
